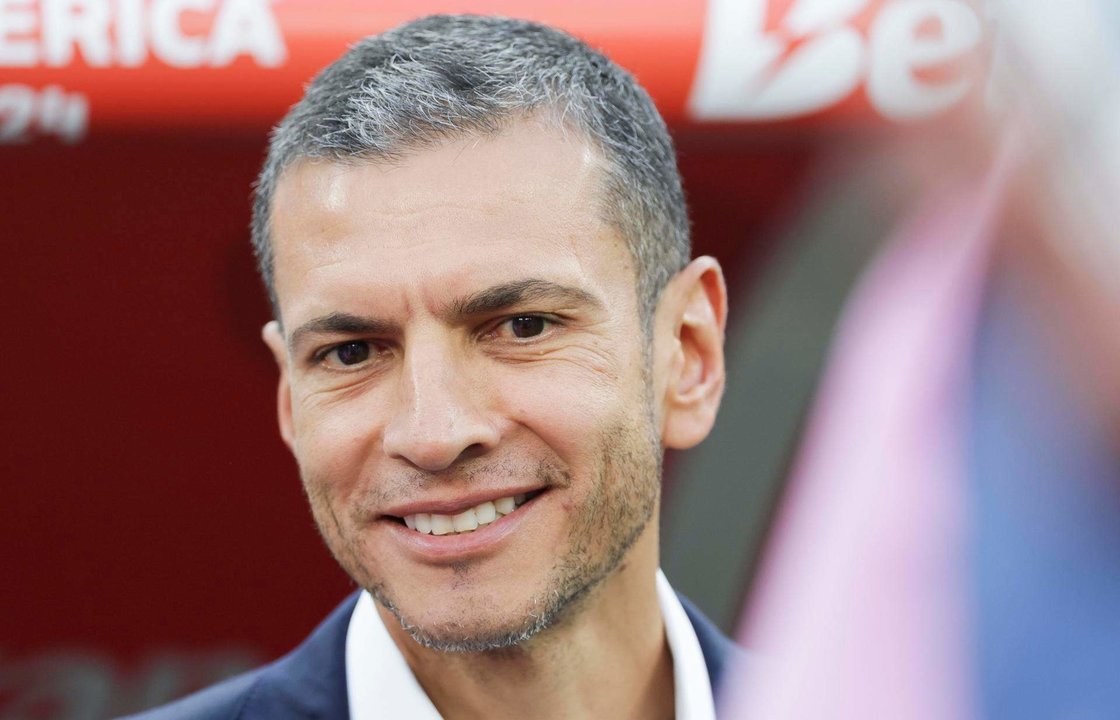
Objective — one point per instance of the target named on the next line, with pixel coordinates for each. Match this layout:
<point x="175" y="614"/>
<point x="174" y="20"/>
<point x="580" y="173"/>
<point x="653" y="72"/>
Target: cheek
<point x="332" y="442"/>
<point x="569" y="413"/>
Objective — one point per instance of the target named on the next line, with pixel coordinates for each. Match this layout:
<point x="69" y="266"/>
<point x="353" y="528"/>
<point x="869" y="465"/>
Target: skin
<point x="456" y="397"/>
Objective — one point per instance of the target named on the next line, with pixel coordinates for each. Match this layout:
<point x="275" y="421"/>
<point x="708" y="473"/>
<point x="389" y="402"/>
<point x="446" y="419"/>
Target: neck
<point x="607" y="657"/>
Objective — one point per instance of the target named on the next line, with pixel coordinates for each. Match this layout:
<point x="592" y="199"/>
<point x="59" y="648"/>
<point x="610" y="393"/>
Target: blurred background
<point x="911" y="503"/>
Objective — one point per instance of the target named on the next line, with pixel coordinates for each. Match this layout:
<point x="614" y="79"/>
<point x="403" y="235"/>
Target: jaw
<point x="492" y="612"/>
<point x="494" y="586"/>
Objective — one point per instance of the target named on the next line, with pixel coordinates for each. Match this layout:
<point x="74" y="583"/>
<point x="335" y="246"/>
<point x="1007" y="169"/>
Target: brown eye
<point x="351" y="353"/>
<point x="526" y="326"/>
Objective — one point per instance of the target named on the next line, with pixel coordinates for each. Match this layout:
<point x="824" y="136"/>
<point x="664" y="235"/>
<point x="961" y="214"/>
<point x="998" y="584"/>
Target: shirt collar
<point x="691" y="684"/>
<point x="379" y="682"/>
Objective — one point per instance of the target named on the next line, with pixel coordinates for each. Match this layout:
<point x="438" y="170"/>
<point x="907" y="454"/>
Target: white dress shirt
<point x="380" y="684"/>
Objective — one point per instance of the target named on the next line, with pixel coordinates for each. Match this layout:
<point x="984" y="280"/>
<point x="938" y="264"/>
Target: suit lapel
<point x="310" y="682"/>
<point x="719" y="651"/>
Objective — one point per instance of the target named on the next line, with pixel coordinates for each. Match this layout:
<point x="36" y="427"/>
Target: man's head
<point x="476" y="319"/>
<point x="444" y="77"/>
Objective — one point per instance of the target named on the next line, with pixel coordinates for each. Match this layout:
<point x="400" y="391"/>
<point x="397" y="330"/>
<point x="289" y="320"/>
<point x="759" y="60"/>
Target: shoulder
<point x="223" y="701"/>
<point x="309" y="681"/>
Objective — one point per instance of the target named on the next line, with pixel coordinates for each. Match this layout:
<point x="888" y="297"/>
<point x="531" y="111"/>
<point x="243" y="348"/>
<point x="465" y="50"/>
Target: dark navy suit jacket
<point x="310" y="681"/>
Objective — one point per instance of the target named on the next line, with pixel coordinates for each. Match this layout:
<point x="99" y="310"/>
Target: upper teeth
<point x="466" y="521"/>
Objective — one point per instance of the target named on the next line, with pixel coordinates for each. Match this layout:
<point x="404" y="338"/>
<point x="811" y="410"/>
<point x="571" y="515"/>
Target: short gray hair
<point x="446" y="76"/>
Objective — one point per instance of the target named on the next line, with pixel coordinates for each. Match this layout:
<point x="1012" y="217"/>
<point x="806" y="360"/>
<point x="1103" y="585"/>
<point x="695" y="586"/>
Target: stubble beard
<point x="610" y="521"/>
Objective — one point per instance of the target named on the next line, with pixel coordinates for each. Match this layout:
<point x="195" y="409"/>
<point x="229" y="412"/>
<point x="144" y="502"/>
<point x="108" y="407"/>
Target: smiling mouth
<point x="469" y="520"/>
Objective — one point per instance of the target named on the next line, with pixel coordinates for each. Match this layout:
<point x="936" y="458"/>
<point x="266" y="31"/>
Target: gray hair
<point x="446" y="76"/>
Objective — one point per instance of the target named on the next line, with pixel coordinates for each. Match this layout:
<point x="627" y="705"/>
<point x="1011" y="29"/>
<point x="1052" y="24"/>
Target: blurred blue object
<point x="1046" y="524"/>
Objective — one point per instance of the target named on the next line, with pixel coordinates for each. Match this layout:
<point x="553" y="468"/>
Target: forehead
<point x="475" y="211"/>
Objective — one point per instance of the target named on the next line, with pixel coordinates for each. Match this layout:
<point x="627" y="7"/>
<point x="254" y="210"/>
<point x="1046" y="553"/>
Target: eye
<point x="527" y="326"/>
<point x="349" y="353"/>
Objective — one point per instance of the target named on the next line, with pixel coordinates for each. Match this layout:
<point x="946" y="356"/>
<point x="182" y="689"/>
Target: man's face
<point x="461" y="332"/>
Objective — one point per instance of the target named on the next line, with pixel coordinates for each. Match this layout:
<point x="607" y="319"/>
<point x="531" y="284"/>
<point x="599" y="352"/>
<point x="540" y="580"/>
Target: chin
<point x="467" y="627"/>
<point x="484" y="621"/>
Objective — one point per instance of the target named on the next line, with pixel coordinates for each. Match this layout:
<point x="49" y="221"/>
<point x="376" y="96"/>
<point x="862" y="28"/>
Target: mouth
<point x="468" y="520"/>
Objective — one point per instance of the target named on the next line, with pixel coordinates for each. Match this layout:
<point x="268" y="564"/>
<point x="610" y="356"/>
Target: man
<point x="488" y="330"/>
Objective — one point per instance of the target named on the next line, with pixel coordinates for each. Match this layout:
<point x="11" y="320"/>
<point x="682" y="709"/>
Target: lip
<point x="458" y="504"/>
<point x="442" y="549"/>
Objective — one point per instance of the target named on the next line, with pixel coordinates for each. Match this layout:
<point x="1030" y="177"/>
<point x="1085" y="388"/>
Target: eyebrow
<point x="492" y="299"/>
<point x="506" y="295"/>
<point x="339" y="323"/>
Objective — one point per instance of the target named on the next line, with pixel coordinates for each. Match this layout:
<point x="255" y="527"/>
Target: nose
<point x="439" y="416"/>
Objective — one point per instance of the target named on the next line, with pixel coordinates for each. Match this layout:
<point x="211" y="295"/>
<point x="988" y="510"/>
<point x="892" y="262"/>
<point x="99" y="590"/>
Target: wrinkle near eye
<point x="320" y="396"/>
<point x="586" y="359"/>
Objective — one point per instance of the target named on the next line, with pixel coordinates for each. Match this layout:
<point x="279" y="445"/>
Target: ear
<point x="273" y="337"/>
<point x="691" y="320"/>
